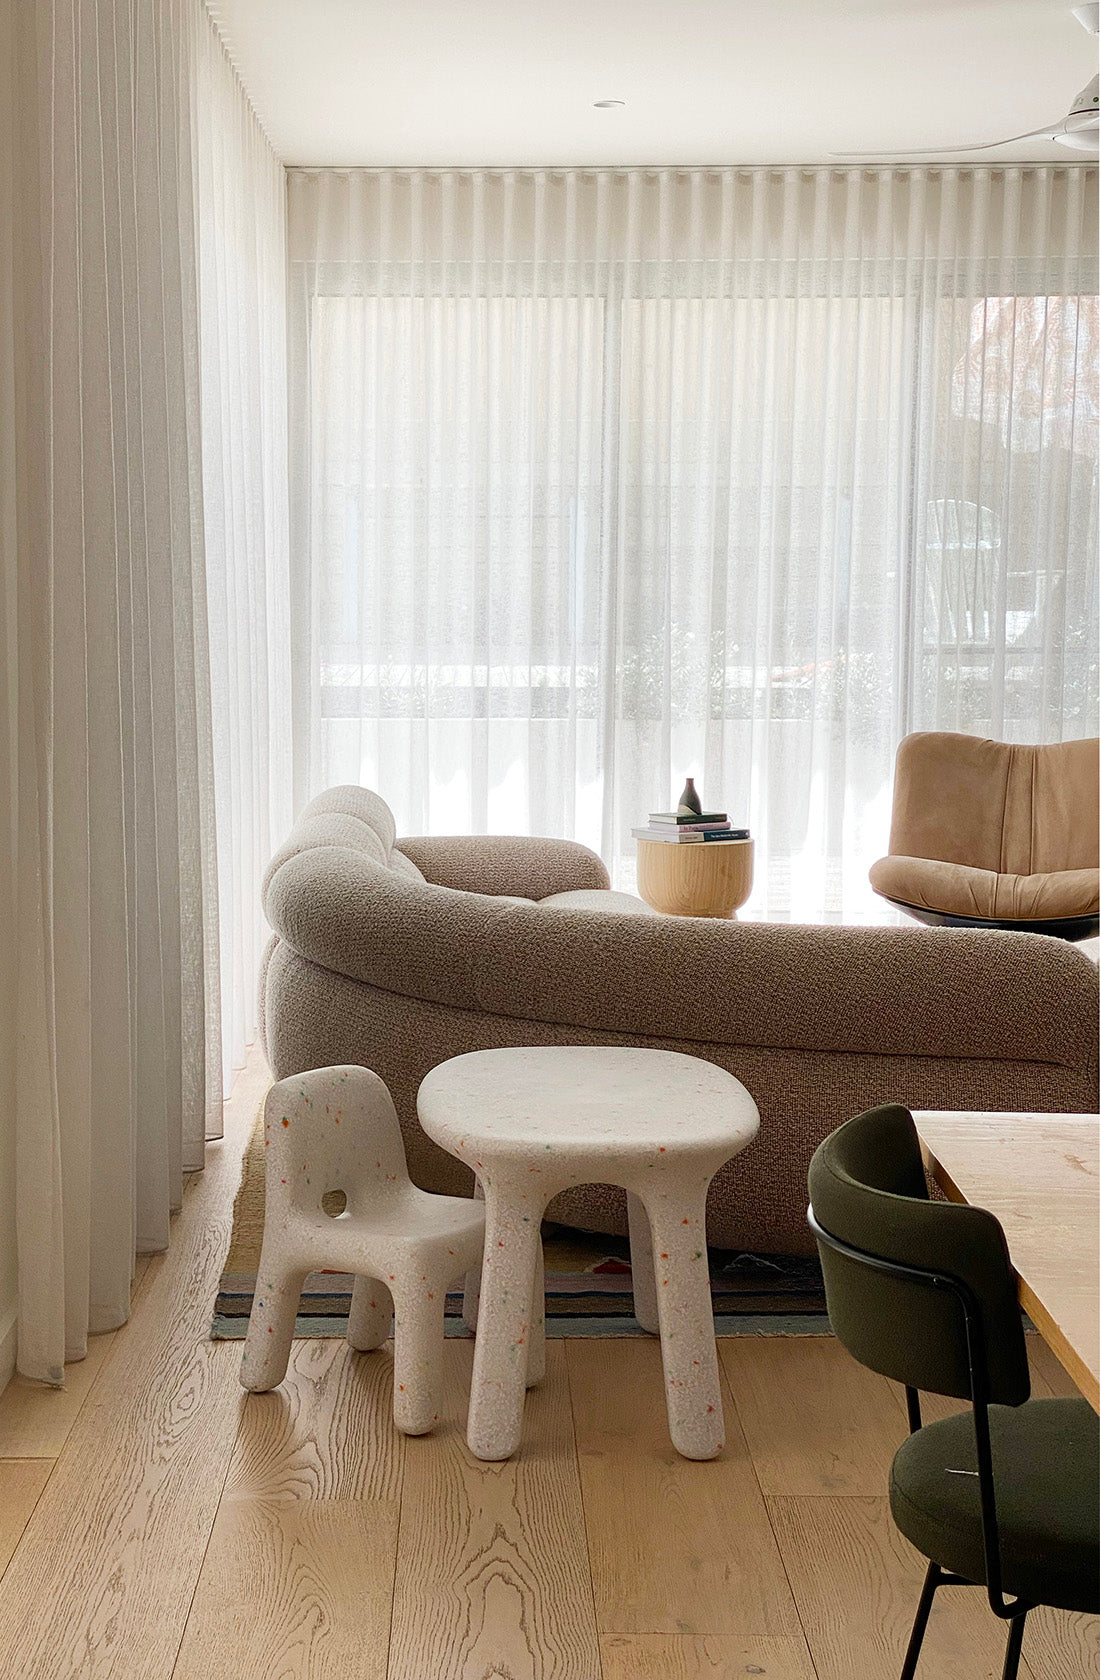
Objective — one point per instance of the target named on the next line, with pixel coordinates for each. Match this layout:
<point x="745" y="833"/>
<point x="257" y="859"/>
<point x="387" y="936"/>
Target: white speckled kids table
<point x="533" y="1122"/>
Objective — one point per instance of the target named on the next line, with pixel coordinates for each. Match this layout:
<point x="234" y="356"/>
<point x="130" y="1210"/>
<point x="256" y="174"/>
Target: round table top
<point x="594" y="1098"/>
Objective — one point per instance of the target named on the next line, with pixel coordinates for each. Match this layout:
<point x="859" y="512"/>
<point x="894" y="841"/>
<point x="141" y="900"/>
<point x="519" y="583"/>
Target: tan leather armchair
<point x="985" y="834"/>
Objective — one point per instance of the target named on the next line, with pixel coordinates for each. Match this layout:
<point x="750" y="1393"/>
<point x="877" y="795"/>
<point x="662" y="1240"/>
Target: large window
<point x="579" y="526"/>
<point x="1006" y="540"/>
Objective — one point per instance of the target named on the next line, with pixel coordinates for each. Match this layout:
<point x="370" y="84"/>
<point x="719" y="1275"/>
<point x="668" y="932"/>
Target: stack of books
<point x="679" y="829"/>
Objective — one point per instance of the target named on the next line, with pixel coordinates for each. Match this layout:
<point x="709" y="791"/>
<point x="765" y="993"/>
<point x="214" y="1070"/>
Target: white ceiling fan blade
<point x="1047" y="133"/>
<point x="1079" y="129"/>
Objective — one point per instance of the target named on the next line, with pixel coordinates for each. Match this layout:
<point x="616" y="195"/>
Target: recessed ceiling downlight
<point x="608" y="104"/>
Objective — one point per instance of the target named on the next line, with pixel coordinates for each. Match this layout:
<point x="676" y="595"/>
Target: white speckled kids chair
<point x="336" y="1129"/>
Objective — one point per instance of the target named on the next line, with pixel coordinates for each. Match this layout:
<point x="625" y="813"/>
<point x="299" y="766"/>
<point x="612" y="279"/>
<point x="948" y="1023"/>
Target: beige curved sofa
<point x="985" y="833"/>
<point x="398" y="954"/>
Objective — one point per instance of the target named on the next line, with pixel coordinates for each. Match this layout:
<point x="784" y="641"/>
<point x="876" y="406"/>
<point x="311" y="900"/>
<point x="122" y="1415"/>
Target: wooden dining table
<point x="1040" y="1175"/>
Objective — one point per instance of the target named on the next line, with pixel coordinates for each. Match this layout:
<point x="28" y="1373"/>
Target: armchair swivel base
<point x="1073" y="928"/>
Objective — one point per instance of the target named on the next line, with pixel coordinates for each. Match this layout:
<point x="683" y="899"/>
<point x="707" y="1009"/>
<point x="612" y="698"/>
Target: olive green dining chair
<point x="1004" y="1495"/>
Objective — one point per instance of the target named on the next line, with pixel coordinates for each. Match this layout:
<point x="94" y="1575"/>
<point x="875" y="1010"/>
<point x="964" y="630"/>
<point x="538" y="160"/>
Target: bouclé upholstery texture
<point x="398" y="955"/>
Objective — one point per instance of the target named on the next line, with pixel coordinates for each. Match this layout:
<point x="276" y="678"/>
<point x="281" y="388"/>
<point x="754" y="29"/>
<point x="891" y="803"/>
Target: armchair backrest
<point x="1016" y="810"/>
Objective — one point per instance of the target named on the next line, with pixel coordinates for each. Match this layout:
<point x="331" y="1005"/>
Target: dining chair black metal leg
<point x="920" y="1621"/>
<point x="1012" y="1652"/>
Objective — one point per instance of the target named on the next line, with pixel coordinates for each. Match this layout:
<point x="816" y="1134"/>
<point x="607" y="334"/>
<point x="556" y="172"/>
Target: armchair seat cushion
<point x="957" y="889"/>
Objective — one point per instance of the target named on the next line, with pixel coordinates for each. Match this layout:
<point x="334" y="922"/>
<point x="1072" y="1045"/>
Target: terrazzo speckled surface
<point x="533" y="1122"/>
<point x="336" y="1130"/>
<point x="589" y="1289"/>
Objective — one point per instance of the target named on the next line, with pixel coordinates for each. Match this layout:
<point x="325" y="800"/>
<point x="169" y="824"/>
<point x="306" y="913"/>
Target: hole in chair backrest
<point x="334" y="1203"/>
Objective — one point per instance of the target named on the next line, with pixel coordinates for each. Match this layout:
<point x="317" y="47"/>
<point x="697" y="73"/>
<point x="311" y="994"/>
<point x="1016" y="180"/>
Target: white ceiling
<point x="512" y="82"/>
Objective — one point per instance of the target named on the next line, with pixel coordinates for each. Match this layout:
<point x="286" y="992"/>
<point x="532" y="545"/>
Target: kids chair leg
<point x="370" y="1316"/>
<point x="271" y="1327"/>
<point x="417" y="1350"/>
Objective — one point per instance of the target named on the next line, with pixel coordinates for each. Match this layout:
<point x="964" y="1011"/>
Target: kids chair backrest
<point x="333" y="1129"/>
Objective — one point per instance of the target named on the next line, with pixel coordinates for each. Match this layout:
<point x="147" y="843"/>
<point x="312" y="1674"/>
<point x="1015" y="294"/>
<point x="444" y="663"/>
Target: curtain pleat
<point x="135" y="388"/>
<point x="603" y="478"/>
<point x="242" y="269"/>
<point x="116" y="963"/>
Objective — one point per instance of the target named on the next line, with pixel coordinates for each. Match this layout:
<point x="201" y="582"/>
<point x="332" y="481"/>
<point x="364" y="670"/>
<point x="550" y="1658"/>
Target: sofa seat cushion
<point x="504" y="865"/>
<point x="955" y="889"/>
<point x="1046" y="1460"/>
<point x="598" y="898"/>
<point x="402" y="865"/>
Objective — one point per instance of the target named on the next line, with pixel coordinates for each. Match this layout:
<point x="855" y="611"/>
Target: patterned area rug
<point x="588" y="1282"/>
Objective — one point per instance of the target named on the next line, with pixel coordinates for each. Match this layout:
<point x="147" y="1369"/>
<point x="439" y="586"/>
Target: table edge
<point x="1086" y="1380"/>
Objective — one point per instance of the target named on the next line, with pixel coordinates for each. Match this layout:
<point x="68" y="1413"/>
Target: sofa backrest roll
<point x="348" y="817"/>
<point x="335" y="896"/>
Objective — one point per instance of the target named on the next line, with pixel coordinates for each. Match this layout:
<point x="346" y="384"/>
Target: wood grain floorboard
<point x="116" y="1540"/>
<point x="675" y="1547"/>
<point x="857" y="1581"/>
<point x="670" y="1656"/>
<point x="294" y="1590"/>
<point x="161" y="1523"/>
<point x="21" y="1483"/>
<point x="298" y="1578"/>
<point x="1059" y="1646"/>
<point x="35" y="1420"/>
<point x="492" y="1569"/>
<point x="325" y="1433"/>
<point x="815" y="1420"/>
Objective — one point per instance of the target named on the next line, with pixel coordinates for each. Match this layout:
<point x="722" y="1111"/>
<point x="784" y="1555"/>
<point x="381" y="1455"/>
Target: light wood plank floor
<point x="156" y="1524"/>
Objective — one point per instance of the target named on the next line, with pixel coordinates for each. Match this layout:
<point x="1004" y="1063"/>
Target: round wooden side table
<point x="704" y="878"/>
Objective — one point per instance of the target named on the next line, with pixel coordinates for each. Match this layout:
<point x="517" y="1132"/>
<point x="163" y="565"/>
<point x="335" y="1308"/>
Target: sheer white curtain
<point x="242" y="252"/>
<point x="9" y="692"/>
<point x="124" y="396"/>
<point x="601" y="479"/>
<point x="117" y="1073"/>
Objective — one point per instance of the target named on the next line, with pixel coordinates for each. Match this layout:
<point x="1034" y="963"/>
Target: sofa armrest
<point x="505" y="865"/>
